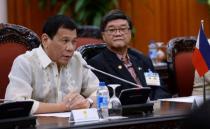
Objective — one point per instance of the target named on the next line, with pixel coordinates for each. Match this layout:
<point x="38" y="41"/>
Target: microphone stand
<point x="110" y="75"/>
<point x="133" y="108"/>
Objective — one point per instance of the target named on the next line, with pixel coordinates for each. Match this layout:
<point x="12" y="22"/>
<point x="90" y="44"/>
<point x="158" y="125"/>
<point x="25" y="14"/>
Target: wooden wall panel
<point x="161" y="20"/>
<point x="29" y="14"/>
<point x="158" y="20"/>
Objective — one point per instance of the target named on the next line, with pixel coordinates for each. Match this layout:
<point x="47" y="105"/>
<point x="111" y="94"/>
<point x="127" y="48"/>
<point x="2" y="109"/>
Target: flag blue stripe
<point x="204" y="47"/>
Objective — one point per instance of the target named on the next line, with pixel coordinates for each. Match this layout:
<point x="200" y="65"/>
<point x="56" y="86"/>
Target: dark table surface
<point x="163" y="111"/>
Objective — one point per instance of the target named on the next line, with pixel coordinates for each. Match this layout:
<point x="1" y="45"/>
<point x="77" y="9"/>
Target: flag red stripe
<point x="199" y="63"/>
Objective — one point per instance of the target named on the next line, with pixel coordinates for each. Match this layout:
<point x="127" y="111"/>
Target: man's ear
<point x="102" y="34"/>
<point x="44" y="39"/>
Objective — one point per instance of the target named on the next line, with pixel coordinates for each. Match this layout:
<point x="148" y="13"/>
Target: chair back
<point x="90" y="50"/>
<point x="181" y="70"/>
<point x="81" y="41"/>
<point x="14" y="40"/>
<point x="88" y="35"/>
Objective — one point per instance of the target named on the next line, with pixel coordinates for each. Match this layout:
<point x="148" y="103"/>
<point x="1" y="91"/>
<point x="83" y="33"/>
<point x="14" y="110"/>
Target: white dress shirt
<point x="34" y="76"/>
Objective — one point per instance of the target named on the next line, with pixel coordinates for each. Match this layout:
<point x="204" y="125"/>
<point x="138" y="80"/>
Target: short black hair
<point x="55" y="22"/>
<point x="114" y="15"/>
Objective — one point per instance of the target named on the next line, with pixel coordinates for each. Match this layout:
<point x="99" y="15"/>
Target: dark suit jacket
<point x="108" y="61"/>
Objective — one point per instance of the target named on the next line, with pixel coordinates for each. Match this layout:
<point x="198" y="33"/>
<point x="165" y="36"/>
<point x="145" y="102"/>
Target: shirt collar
<point x="123" y="59"/>
<point x="43" y="57"/>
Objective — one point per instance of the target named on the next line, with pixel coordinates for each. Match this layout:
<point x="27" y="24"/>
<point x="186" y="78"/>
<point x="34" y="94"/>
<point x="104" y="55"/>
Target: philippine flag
<point x="201" y="54"/>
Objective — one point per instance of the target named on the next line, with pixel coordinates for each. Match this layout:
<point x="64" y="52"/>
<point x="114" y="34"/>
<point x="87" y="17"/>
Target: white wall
<point x="3" y="11"/>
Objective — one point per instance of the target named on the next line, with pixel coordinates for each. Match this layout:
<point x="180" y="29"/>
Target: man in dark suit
<point x="120" y="60"/>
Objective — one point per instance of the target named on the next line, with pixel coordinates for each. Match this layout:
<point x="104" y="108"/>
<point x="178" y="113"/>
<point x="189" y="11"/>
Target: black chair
<point x="90" y="50"/>
<point x="88" y="35"/>
<point x="89" y="32"/>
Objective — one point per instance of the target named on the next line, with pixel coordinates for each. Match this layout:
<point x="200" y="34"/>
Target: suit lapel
<point x="139" y="69"/>
<point x="117" y="66"/>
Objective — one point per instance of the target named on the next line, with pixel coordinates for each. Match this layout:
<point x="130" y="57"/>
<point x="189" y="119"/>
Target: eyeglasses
<point x="114" y="30"/>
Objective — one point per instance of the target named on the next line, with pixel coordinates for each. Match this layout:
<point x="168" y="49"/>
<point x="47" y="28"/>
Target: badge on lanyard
<point x="152" y="78"/>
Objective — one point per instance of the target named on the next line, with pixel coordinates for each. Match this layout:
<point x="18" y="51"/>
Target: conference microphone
<point x="110" y="75"/>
